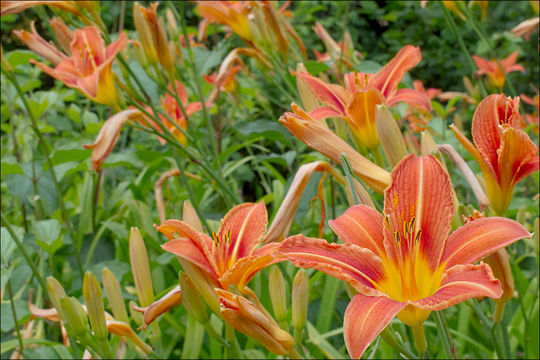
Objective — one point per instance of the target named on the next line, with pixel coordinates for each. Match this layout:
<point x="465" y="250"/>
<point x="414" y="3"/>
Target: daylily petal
<point x="360" y="225"/>
<point x="166" y="303"/>
<point x="324" y="112"/>
<point x="419" y="212"/>
<point x="244" y="269"/>
<point x="246" y="224"/>
<point x="484" y="66"/>
<point x="509" y="63"/>
<point x="322" y="139"/>
<point x="388" y="78"/>
<point x="462" y="282"/>
<point x="183" y="230"/>
<point x="481" y="237"/>
<point x="38" y="45"/>
<point x="411" y="97"/>
<point x="187" y="249"/>
<point x="323" y="92"/>
<point x="358" y="266"/>
<point x="365" y="318"/>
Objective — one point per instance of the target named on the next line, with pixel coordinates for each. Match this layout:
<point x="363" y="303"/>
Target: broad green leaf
<point x="48" y="235"/>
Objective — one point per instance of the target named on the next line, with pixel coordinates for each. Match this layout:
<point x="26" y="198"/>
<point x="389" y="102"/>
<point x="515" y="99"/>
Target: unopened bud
<point x="140" y="268"/>
<point x="427" y="144"/>
<point x="56" y="292"/>
<point x="172" y="26"/>
<point x="159" y="37"/>
<point x="114" y="294"/>
<point x="192" y="299"/>
<point x="75" y="316"/>
<point x="309" y="100"/>
<point x="94" y="304"/>
<point x="145" y="35"/>
<point x="272" y="21"/>
<point x="300" y="299"/>
<point x="190" y="216"/>
<point x="276" y="284"/>
<point x="500" y="265"/>
<point x="204" y="285"/>
<point x="390" y="136"/>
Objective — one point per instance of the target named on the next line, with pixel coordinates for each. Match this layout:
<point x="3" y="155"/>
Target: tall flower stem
<point x="454" y="30"/>
<point x="14" y="313"/>
<point x="233" y="352"/>
<point x="45" y="150"/>
<point x="420" y="340"/>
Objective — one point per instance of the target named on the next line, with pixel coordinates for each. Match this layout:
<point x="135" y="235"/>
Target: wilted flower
<point x="405" y="262"/>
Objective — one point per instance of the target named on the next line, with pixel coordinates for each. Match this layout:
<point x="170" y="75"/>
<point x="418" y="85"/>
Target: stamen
<point x="411" y="225"/>
<point x="397" y="237"/>
<point x="417" y="237"/>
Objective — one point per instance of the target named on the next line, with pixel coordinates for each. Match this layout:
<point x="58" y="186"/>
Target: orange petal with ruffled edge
<point x="247" y="224"/>
<point x="358" y="266"/>
<point x="178" y="229"/>
<point x="365" y="318"/>
<point x="187" y="249"/>
<point x="360" y="225"/>
<point x="460" y="283"/>
<point x="481" y="237"/>
<point x="419" y="202"/>
<point x="324" y="92"/>
<point x="388" y="78"/>
<point x="245" y="268"/>
<point x="411" y="97"/>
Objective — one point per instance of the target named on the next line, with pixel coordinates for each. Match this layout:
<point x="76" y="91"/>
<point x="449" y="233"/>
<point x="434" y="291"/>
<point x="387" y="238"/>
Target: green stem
<point x="21" y="248"/>
<point x="444" y="334"/>
<point x="420" y="340"/>
<point x="233" y="352"/>
<point x="390" y="338"/>
<point x="454" y="30"/>
<point x="348" y="174"/>
<point x="19" y="337"/>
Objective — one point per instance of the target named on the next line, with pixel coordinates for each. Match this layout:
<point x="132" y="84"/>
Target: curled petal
<point x="358" y="266"/>
<point x="38" y="45"/>
<point x="323" y="92"/>
<point x="175" y="228"/>
<point x="462" y="282"/>
<point x="151" y="312"/>
<point x="411" y="97"/>
<point x="388" y="78"/>
<point x="246" y="267"/>
<point x="365" y="318"/>
<point x="360" y="225"/>
<point x="480" y="238"/>
<point x="107" y="136"/>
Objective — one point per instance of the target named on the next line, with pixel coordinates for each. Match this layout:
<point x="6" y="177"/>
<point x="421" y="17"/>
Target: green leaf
<point x="532" y="333"/>
<point x="48" y="235"/>
<point x="21" y="308"/>
<point x="10" y="168"/>
<point x="20" y="57"/>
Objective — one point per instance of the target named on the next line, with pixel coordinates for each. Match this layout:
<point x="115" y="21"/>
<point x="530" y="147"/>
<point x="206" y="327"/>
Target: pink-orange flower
<point x="231" y="256"/>
<point x="89" y="69"/>
<point x="234" y="14"/>
<point x="505" y="153"/>
<point x="494" y="71"/>
<point x="406" y="262"/>
<point x="172" y="108"/>
<point x="356" y="101"/>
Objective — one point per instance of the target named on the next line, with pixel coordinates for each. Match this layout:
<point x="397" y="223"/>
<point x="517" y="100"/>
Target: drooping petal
<point x="322" y="139"/>
<point x="411" y="97"/>
<point x="323" y="92"/>
<point x="484" y="66"/>
<point x="245" y="268"/>
<point x="358" y="266"/>
<point x="420" y="205"/>
<point x="38" y="45"/>
<point x="176" y="228"/>
<point x="360" y="225"/>
<point x="479" y="238"/>
<point x="246" y="224"/>
<point x="187" y="249"/>
<point x="365" y="318"/>
<point x="158" y="307"/>
<point x="388" y="78"/>
<point x="462" y="282"/>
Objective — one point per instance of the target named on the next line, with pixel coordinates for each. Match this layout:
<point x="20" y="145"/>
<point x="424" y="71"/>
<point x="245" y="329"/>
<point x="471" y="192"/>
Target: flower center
<point x="221" y="250"/>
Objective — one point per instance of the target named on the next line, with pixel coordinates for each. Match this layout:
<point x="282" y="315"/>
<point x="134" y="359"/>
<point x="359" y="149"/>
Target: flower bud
<point x="56" y="292"/>
<point x="75" y="316"/>
<point x="279" y="34"/>
<point x="145" y="35"/>
<point x="64" y="35"/>
<point x="300" y="299"/>
<point x="500" y="265"/>
<point x="390" y="136"/>
<point x="114" y="294"/>
<point x="159" y="37"/>
<point x="135" y="314"/>
<point x="276" y="285"/>
<point x="172" y="26"/>
<point x="94" y="304"/>
<point x="140" y="268"/>
<point x="309" y="100"/>
<point x="192" y="299"/>
<point x="245" y="317"/>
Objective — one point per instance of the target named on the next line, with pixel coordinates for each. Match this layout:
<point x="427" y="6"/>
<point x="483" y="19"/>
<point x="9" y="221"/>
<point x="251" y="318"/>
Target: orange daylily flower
<point x="505" y="153"/>
<point x="231" y="13"/>
<point x="172" y="108"/>
<point x="356" y="101"/>
<point x="89" y="69"/>
<point x="494" y="72"/>
<point x="322" y="139"/>
<point x="405" y="262"/>
<point x="231" y="256"/>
